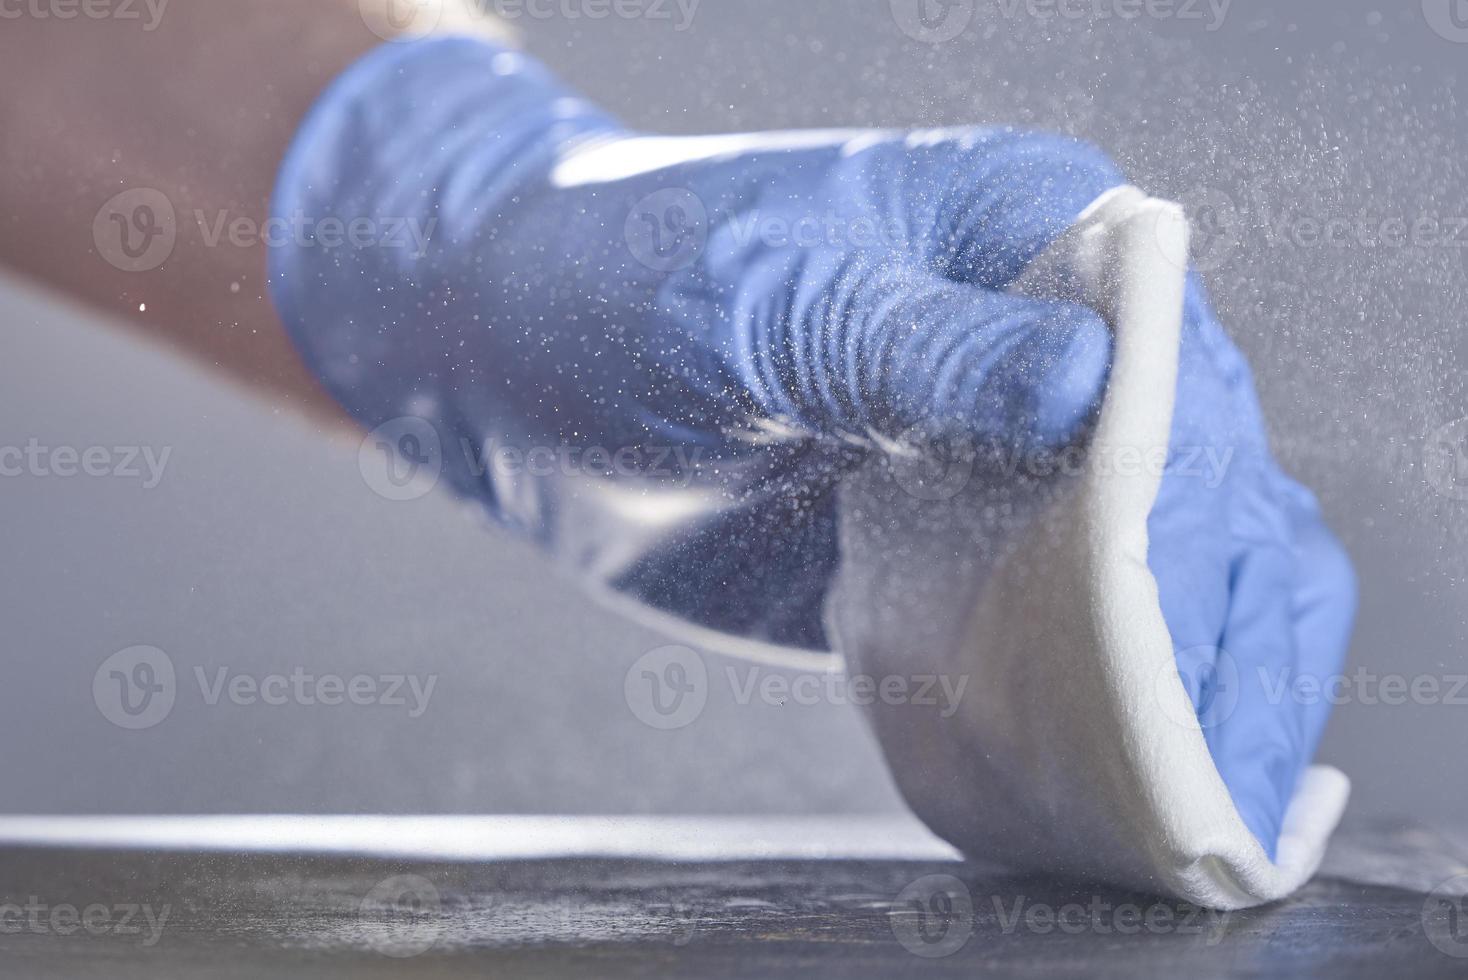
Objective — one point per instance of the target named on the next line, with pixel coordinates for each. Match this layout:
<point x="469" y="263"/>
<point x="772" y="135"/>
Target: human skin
<point x="196" y="100"/>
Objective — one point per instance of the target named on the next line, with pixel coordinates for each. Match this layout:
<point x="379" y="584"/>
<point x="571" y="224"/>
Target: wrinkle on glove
<point x="1078" y="749"/>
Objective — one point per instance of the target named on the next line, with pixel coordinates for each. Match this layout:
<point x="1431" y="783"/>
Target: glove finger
<point x="1257" y="737"/>
<point x="1008" y="195"/>
<point x="1325" y="610"/>
<point x="885" y="350"/>
<point x="1192" y="570"/>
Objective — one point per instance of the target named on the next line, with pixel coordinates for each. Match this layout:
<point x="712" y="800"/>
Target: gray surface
<point x="263" y="549"/>
<point x="1369" y="915"/>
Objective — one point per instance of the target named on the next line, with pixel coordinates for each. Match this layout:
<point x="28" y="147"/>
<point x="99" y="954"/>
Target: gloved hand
<point x="1256" y="592"/>
<point x="730" y="322"/>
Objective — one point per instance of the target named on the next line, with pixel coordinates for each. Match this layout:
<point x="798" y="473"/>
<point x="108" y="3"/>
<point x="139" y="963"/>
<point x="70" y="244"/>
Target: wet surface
<point x="80" y="913"/>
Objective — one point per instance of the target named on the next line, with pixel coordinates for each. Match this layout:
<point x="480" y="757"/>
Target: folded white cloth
<point x="1075" y="748"/>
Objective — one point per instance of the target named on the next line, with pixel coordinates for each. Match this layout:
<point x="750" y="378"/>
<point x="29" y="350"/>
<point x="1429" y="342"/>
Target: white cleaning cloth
<point x="1075" y="748"/>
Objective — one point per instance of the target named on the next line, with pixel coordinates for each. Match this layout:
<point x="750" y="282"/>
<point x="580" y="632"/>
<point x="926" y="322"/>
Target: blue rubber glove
<point x="1256" y="592"/>
<point x="740" y="319"/>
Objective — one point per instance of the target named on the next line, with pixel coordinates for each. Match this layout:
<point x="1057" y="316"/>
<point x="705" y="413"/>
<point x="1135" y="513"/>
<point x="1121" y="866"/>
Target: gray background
<point x="263" y="549"/>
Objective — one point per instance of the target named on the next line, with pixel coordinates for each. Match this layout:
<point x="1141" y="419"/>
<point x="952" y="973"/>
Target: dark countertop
<point x="193" y="913"/>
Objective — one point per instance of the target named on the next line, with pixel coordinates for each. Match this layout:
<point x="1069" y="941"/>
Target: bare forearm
<point x="195" y="112"/>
